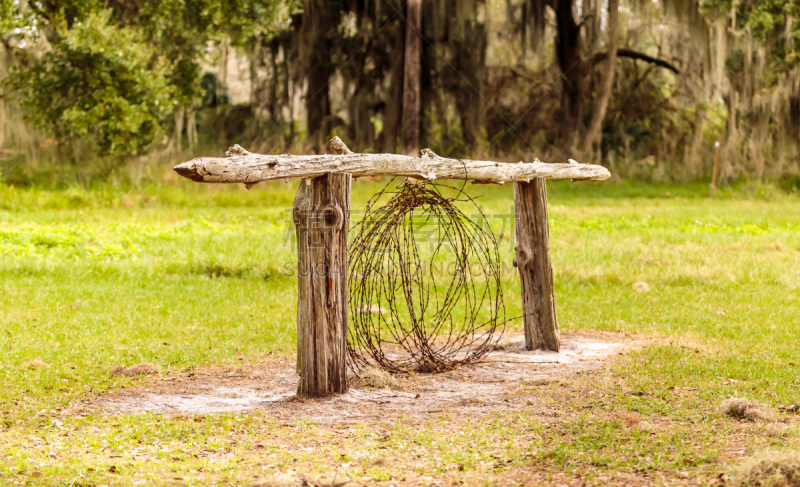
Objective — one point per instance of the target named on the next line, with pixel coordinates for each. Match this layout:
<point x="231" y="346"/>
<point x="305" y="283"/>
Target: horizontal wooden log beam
<point x="243" y="167"/>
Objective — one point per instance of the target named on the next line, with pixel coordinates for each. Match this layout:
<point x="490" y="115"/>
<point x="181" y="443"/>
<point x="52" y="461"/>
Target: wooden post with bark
<point x="322" y="217"/>
<point x="533" y="261"/>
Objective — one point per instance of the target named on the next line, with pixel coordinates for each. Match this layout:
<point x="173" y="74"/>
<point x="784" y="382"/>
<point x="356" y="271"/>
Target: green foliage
<point x="8" y="15"/>
<point x="99" y="82"/>
<point x="183" y="30"/>
<point x="767" y="21"/>
<point x="114" y="70"/>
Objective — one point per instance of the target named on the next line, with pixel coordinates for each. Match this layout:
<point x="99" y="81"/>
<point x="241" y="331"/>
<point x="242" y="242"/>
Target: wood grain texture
<point x="533" y="261"/>
<point x="321" y="217"/>
<point x="244" y="167"/>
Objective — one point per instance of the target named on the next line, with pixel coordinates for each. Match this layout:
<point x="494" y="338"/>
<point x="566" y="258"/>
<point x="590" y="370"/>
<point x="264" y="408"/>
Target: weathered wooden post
<point x="533" y="261"/>
<point x="322" y="218"/>
<point x="322" y="214"/>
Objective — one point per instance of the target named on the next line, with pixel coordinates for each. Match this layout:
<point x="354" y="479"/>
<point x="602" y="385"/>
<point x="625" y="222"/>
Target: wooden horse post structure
<point x="322" y="218"/>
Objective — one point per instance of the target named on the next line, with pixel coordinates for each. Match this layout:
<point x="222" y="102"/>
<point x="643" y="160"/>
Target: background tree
<point x="113" y="70"/>
<point x="608" y="81"/>
<point x="98" y="82"/>
<point x="411" y="77"/>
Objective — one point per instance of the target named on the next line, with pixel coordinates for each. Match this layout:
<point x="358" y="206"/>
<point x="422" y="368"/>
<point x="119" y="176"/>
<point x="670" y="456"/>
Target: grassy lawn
<point x="187" y="276"/>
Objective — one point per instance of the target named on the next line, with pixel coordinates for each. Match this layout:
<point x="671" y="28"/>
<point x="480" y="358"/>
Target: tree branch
<point x="629" y="53"/>
<point x="243" y="167"/>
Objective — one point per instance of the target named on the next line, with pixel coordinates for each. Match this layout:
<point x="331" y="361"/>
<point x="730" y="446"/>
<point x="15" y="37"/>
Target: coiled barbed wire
<point x="425" y="285"/>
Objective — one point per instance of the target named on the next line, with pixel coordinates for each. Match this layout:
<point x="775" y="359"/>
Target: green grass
<point x="190" y="275"/>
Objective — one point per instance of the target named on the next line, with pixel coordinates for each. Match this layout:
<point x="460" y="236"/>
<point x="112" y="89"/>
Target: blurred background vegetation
<point x="652" y="89"/>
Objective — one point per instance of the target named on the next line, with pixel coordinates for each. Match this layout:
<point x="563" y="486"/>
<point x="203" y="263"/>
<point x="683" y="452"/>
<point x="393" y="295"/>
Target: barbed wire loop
<point x="424" y="282"/>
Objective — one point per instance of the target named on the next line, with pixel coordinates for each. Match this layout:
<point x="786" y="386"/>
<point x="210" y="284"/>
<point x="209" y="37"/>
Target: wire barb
<point x="434" y="275"/>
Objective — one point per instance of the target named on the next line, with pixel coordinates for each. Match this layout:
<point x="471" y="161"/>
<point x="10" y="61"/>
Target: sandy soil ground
<point x="474" y="390"/>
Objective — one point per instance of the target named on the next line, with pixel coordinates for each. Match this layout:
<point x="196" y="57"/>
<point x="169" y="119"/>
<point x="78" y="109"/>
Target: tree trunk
<point x="222" y="79"/>
<point x="360" y="103"/>
<point x="179" y="113"/>
<point x="783" y="121"/>
<point x="191" y="127"/>
<point x="732" y="141"/>
<point x="289" y="90"/>
<point x="568" y="54"/>
<point x="255" y="59"/>
<point x="470" y="57"/>
<point x="411" y="77"/>
<point x="696" y="144"/>
<point x="2" y="122"/>
<point x="394" y="105"/>
<point x="272" y="97"/>
<point x="608" y="81"/>
<point x="322" y="216"/>
<point x="533" y="261"/>
<point x="316" y="54"/>
<point x="758" y="143"/>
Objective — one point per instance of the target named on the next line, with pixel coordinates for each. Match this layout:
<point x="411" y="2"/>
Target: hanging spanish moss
<point x="425" y="289"/>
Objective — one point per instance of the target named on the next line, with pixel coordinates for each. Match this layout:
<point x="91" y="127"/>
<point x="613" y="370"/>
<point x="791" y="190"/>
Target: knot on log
<point x="428" y="154"/>
<point x="236" y="150"/>
<point x="336" y="146"/>
<point x="334" y="216"/>
<point x="523" y="257"/>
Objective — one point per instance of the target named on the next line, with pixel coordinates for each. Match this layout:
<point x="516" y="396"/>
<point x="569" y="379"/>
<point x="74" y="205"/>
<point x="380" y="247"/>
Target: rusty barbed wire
<point x="413" y="310"/>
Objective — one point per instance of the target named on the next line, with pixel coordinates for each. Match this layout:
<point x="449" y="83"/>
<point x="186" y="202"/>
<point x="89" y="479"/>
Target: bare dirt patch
<point x="475" y="390"/>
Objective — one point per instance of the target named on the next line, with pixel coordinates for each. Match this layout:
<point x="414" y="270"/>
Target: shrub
<point x="98" y="82"/>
